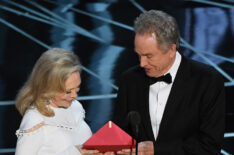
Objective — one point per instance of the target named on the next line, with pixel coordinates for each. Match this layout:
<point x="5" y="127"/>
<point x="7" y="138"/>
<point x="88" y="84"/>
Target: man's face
<point x="155" y="62"/>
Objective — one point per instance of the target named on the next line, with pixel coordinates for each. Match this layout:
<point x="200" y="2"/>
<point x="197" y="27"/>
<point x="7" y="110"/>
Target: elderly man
<point x="181" y="102"/>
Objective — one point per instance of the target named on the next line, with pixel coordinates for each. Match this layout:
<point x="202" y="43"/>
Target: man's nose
<point x="143" y="61"/>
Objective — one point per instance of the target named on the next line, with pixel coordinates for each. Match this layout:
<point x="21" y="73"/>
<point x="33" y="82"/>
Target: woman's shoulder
<point x="31" y="118"/>
<point x="77" y="106"/>
<point x="78" y="110"/>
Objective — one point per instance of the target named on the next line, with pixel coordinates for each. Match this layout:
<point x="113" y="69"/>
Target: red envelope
<point x="110" y="138"/>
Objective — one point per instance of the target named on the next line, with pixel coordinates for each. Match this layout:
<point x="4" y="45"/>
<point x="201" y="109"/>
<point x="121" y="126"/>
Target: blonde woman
<point x="53" y="120"/>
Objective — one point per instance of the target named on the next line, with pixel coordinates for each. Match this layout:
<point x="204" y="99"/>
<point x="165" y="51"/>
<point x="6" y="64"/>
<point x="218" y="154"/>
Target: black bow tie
<point x="166" y="78"/>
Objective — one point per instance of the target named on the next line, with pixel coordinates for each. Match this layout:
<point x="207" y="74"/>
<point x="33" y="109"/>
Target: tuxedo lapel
<point x="178" y="91"/>
<point x="144" y="107"/>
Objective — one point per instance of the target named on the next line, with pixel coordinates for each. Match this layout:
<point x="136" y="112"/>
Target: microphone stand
<point x="136" y="139"/>
<point x="134" y="119"/>
<point x="132" y="146"/>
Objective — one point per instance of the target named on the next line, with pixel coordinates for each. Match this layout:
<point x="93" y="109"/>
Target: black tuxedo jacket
<point x="194" y="116"/>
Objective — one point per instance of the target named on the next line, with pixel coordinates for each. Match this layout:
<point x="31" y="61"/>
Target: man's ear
<point x="172" y="50"/>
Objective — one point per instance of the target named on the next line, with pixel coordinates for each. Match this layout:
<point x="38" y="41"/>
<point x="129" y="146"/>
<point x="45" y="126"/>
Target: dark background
<point x="100" y="32"/>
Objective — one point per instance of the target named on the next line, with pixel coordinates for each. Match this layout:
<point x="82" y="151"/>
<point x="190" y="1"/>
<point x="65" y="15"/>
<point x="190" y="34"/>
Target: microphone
<point x="134" y="119"/>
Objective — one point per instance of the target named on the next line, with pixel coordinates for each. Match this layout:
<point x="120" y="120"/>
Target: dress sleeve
<point x="32" y="142"/>
<point x="29" y="141"/>
<point x="71" y="150"/>
<point x="30" y="134"/>
<point x="33" y="137"/>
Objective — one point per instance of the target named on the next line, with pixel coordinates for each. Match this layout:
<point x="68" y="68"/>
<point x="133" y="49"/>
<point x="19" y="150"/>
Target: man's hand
<point x="144" y="148"/>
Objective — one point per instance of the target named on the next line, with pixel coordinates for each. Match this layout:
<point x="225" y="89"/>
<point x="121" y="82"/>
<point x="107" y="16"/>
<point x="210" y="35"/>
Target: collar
<point x="174" y="68"/>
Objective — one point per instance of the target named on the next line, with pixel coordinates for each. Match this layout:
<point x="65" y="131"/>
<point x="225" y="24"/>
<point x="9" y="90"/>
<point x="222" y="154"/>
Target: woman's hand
<point x="109" y="153"/>
<point x="87" y="152"/>
<point x="127" y="152"/>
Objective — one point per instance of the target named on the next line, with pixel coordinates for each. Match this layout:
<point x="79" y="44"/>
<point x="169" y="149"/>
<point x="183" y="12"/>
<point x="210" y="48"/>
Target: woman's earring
<point x="48" y="102"/>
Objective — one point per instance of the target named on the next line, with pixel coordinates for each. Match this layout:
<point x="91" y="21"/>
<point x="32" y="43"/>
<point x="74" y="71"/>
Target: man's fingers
<point x="146" y="148"/>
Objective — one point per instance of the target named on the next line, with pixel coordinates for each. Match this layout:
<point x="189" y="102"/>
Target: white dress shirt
<point x="58" y="136"/>
<point x="158" y="95"/>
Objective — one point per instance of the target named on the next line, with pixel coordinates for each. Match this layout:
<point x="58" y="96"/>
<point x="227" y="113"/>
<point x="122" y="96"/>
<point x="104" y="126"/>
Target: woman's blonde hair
<point x="48" y="78"/>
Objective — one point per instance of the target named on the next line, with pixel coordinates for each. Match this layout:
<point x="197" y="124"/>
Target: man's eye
<point x="149" y="56"/>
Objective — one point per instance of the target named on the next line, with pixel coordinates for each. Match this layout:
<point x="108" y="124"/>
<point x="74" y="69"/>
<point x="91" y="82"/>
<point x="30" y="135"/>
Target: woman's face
<point x="72" y="85"/>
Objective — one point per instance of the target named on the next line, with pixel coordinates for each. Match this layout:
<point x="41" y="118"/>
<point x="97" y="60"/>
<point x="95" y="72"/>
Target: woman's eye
<point x="68" y="92"/>
<point x="75" y="90"/>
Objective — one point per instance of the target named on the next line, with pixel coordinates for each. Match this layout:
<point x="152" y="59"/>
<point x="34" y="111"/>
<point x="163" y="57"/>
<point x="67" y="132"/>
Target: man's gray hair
<point x="162" y="25"/>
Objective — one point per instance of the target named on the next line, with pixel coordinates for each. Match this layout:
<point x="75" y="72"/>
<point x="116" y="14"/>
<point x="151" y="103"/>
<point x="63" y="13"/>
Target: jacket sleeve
<point x="121" y="107"/>
<point x="209" y="138"/>
<point x="212" y="116"/>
